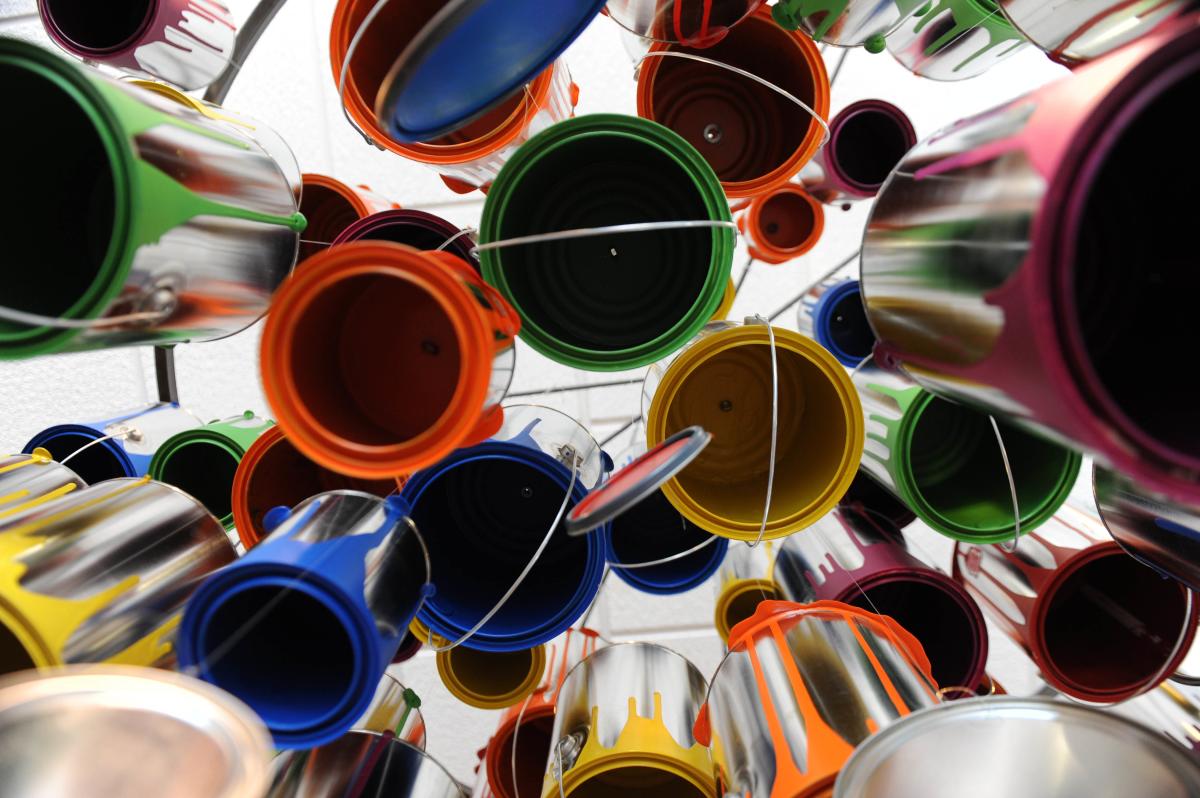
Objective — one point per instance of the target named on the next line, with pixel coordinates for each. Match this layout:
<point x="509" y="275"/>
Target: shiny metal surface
<point x="1162" y="534"/>
<point x="362" y="763"/>
<point x="1171" y="709"/>
<point x="102" y="573"/>
<point x="936" y="247"/>
<point x="558" y="435"/>
<point x="614" y="676"/>
<point x="110" y="732"/>
<point x="624" y="722"/>
<point x="395" y="709"/>
<point x="877" y="390"/>
<point x="697" y="24"/>
<point x="1002" y="746"/>
<point x="746" y="562"/>
<point x="1080" y="30"/>
<point x="800" y="688"/>
<point x="563" y="654"/>
<point x="213" y="275"/>
<point x="954" y="39"/>
<point x="28" y="478"/>
<point x="816" y="563"/>
<point x="529" y="718"/>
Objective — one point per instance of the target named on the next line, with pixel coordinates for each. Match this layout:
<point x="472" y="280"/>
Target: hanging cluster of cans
<point x="219" y="602"/>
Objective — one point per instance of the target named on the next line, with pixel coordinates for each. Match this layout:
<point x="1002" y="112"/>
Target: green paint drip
<point x="411" y="701"/>
<point x="969" y="15"/>
<point x="789" y="13"/>
<point x="797" y="9"/>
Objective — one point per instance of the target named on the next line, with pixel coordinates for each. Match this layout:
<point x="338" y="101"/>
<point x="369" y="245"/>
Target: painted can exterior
<point x="189" y="179"/>
<point x="1013" y="344"/>
<point x="156" y="545"/>
<point x="341" y="578"/>
<point x="1100" y="626"/>
<point x="860" y="669"/>
<point x="626" y="712"/>
<point x="187" y="43"/>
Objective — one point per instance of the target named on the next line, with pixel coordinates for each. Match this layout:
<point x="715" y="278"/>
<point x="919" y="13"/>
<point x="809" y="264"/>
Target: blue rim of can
<point x="47" y="438"/>
<point x="290" y="729"/>
<point x="822" y="316"/>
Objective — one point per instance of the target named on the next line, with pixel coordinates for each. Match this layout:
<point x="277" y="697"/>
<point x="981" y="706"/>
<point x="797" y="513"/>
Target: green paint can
<point x="943" y="460"/>
<point x="607" y="301"/>
<point x="139" y="215"/>
<point x="202" y="461"/>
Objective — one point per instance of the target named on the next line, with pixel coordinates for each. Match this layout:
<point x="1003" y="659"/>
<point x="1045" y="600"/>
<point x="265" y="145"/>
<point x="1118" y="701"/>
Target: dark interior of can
<point x="786" y="220"/>
<point x="746" y="602"/>
<point x="1136" y="272"/>
<point x="729" y="394"/>
<point x="932" y="616"/>
<point x="607" y="291"/>
<point x="63" y="207"/>
<point x="376" y="359"/>
<point x="533" y="741"/>
<point x="328" y="213"/>
<point x="499" y="510"/>
<point x="282" y="652"/>
<point x="869" y="145"/>
<point x="1113" y="624"/>
<point x="637" y="782"/>
<point x="13" y="656"/>
<point x="96" y="463"/>
<point x="204" y="470"/>
<point x="959" y="471"/>
<point x="653" y="529"/>
<point x="97" y="26"/>
<point x="848" y="326"/>
<point x="742" y="128"/>
<point x="491" y="673"/>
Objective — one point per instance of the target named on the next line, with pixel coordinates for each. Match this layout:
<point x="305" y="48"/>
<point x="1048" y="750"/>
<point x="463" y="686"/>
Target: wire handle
<point x="762" y="529"/>
<point x="38" y="320"/>
<point x="466" y="231"/>
<point x="588" y="232"/>
<point x="711" y="539"/>
<point x="1012" y="488"/>
<point x="749" y="75"/>
<point x="125" y="432"/>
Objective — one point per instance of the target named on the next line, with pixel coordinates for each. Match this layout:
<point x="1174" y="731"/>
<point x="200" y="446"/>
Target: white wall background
<point x="287" y="83"/>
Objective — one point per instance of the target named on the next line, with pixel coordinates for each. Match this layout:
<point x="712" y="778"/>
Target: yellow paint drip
<point x="643" y="743"/>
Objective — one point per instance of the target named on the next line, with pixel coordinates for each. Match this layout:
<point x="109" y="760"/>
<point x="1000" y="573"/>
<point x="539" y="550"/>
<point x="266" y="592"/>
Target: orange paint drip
<point x="827" y="750"/>
<point x="890" y="688"/>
